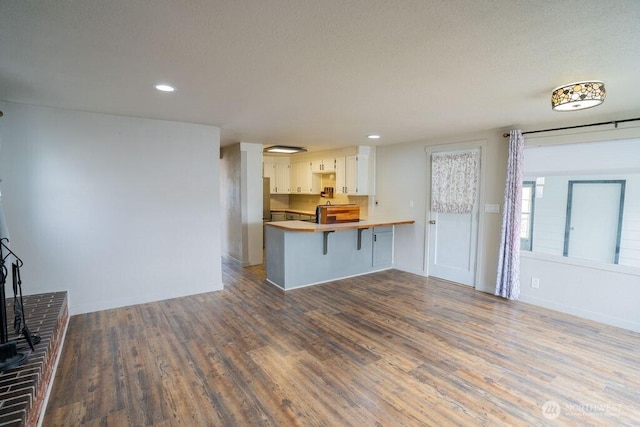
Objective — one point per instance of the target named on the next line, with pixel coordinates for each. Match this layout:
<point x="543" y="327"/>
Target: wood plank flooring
<point x="386" y="349"/>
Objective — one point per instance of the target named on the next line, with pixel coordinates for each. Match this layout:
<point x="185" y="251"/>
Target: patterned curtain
<point x="508" y="281"/>
<point x="454" y="182"/>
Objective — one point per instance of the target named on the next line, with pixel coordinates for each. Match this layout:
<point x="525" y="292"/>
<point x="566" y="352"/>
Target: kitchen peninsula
<point x="300" y="253"/>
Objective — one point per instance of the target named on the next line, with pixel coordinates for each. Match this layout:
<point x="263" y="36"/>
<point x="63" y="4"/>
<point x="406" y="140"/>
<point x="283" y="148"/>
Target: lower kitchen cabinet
<point x="382" y="246"/>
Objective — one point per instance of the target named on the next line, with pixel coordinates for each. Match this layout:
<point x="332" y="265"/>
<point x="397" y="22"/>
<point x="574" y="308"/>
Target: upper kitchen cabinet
<point x="277" y="170"/>
<point x="269" y="171"/>
<point x="316" y="166"/>
<point x="341" y="183"/>
<point x="323" y="166"/>
<point x="352" y="175"/>
<point x="283" y="178"/>
<point x="357" y="175"/>
<point x="302" y="179"/>
<point x="354" y="171"/>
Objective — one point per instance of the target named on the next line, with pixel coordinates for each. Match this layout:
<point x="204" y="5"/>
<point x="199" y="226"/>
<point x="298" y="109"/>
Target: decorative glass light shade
<point x="578" y="96"/>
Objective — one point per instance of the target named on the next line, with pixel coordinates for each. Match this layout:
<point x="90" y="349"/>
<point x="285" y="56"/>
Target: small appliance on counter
<point x="335" y="214"/>
<point x="328" y="192"/>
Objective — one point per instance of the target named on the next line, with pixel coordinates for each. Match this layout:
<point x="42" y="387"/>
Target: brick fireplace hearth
<point x="23" y="390"/>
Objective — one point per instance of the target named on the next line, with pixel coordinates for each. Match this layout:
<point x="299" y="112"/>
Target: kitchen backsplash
<point x="280" y="201"/>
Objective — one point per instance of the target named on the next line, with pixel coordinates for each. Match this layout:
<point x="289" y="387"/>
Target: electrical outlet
<point x="535" y="282"/>
<point x="410" y="203"/>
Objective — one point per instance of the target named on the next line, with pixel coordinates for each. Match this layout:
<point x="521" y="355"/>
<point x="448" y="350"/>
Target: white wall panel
<point x="115" y="210"/>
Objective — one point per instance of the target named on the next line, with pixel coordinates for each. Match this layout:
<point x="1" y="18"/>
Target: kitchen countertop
<point x="310" y="227"/>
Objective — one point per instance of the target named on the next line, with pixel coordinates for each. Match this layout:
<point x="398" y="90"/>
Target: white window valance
<point x="454" y="181"/>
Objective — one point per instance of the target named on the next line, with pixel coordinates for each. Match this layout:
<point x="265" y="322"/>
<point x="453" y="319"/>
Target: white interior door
<point x="593" y="225"/>
<point x="453" y="239"/>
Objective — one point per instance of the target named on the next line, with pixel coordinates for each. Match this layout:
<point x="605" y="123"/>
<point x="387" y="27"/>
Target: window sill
<point x="583" y="263"/>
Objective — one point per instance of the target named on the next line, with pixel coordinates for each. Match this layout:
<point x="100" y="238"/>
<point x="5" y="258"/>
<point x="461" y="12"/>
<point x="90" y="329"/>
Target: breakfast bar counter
<point x="309" y="227"/>
<point x="300" y="253"/>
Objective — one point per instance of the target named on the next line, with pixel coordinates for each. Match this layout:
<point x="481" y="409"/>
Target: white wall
<point x="115" y="210"/>
<point x="605" y="293"/>
<point x="549" y="219"/>
<point x="602" y="292"/>
<point x="611" y="160"/>
<point x="609" y="295"/>
<point x="402" y="178"/>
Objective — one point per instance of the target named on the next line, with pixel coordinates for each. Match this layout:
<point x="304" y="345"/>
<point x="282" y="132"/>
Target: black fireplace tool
<point x="18" y="310"/>
<point x="10" y="357"/>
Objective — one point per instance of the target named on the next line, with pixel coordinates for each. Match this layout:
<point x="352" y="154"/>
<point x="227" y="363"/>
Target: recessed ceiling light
<point x="373" y="136"/>
<point x="165" y="88"/>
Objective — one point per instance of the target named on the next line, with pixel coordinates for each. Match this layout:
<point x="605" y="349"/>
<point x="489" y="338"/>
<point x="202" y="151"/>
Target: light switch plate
<point x="491" y="208"/>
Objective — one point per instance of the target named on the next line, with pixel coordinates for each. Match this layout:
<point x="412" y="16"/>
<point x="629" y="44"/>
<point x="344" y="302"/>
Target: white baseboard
<point x="598" y="317"/>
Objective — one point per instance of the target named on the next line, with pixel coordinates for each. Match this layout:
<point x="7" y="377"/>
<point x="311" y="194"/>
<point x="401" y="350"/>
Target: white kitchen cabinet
<point x="277" y="170"/>
<point x="340" y="170"/>
<point x="352" y="175"/>
<point x="314" y="183"/>
<point x="282" y="178"/>
<point x="382" y="246"/>
<point x="323" y="165"/>
<point x="294" y="183"/>
<point x="329" y="165"/>
<point x="269" y="171"/>
<point x="316" y="166"/>
<point x="357" y="175"/>
<point x="303" y="181"/>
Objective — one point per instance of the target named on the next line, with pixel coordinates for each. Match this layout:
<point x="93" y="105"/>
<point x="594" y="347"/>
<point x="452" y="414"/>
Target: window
<point x="526" y="221"/>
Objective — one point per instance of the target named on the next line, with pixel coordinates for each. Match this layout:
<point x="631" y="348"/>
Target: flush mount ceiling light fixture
<point x="283" y="149"/>
<point x="373" y="136"/>
<point x="578" y="96"/>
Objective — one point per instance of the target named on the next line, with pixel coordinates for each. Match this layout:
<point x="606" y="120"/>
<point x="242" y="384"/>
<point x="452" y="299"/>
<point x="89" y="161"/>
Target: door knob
<point x="433" y="221"/>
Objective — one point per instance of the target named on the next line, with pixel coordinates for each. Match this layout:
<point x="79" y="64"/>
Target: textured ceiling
<point x="322" y="73"/>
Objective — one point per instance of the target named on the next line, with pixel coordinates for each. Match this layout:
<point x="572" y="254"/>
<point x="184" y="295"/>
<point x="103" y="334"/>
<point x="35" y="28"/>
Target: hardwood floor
<point x="388" y="349"/>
